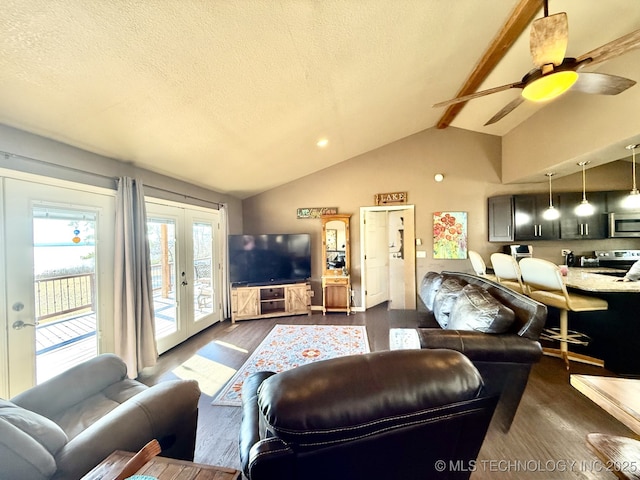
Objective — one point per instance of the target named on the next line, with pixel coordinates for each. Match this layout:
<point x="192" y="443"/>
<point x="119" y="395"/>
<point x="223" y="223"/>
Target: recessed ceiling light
<point x="438" y="177"/>
<point x="323" y="142"/>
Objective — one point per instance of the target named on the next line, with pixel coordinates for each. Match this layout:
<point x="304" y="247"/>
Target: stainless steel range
<point x="620" y="259"/>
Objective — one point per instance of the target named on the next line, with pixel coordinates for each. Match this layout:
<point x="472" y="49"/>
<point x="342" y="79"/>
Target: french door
<point x="58" y="280"/>
<point x="185" y="269"/>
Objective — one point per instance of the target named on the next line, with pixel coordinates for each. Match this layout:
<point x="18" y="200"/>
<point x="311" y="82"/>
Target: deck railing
<point x="58" y="296"/>
<point x="64" y="294"/>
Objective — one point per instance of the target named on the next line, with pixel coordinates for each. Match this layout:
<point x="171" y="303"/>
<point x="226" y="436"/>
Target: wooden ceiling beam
<point x="521" y="16"/>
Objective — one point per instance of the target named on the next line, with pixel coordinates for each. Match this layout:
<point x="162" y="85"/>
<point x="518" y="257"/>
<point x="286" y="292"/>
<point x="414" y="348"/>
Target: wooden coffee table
<point x="161" y="468"/>
<point x="620" y="455"/>
<point x="618" y="396"/>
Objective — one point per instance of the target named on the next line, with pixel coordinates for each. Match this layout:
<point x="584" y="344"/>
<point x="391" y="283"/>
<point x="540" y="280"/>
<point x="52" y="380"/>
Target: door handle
<point x="19" y="325"/>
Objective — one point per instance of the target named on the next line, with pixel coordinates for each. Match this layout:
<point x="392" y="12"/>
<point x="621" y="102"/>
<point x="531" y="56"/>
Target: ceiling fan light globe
<point x="551" y="213"/>
<point x="550" y="86"/>
<point x="632" y="201"/>
<point x="584" y="209"/>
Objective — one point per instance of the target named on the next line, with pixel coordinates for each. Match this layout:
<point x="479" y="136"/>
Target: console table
<point x="249" y="302"/>
<point x="161" y="468"/>
<point x="336" y="294"/>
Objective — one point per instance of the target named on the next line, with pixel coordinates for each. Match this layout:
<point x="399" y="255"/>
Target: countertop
<point x="594" y="280"/>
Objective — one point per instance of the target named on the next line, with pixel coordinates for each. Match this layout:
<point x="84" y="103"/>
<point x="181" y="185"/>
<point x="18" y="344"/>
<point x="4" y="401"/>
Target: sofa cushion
<point x="476" y="309"/>
<point x="446" y="298"/>
<point x="88" y="411"/>
<point x="429" y="288"/>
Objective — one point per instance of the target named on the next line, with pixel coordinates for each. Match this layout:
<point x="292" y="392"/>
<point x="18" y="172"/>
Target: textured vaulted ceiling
<point x="233" y="95"/>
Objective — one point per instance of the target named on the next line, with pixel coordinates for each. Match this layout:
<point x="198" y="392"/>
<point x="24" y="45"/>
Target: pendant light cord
<point x="584" y="194"/>
<point x="550" y="197"/>
<point x="633" y="166"/>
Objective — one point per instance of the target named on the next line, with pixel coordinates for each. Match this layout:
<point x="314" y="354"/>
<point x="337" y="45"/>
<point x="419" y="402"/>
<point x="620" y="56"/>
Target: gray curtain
<point x="133" y="295"/>
<point x="224" y="260"/>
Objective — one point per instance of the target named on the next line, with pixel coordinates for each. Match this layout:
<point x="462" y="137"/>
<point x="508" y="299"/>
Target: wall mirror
<point x="335" y="244"/>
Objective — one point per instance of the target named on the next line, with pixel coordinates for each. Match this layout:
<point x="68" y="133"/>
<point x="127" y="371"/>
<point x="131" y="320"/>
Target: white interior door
<point x="387" y="241"/>
<point x="185" y="270"/>
<point x="58" y="256"/>
<point x="376" y="258"/>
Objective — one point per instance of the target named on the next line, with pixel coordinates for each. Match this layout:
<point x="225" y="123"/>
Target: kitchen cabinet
<point x="615" y="201"/>
<point x="501" y="218"/>
<point x="529" y="223"/>
<point x="573" y="227"/>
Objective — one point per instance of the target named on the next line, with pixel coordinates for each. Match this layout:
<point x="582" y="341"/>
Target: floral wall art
<point x="450" y="235"/>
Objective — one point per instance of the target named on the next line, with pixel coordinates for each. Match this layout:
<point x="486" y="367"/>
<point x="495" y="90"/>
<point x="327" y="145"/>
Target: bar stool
<point x="544" y="284"/>
<point x="507" y="271"/>
<point x="477" y="263"/>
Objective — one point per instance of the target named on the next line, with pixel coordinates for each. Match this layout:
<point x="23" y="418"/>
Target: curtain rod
<point x="185" y="196"/>
<point x="8" y="155"/>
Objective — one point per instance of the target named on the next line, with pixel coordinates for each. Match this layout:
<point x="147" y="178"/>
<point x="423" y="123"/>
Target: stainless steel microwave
<point x="624" y="224"/>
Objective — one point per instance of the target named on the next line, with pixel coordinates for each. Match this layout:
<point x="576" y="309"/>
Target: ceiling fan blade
<point x="612" y="49"/>
<point x="510" y="107"/>
<point x="548" y="39"/>
<point x="481" y="93"/>
<point x="601" y="83"/>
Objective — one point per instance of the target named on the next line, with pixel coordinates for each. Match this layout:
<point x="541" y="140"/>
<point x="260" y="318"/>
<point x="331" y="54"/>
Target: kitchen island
<point x="615" y="333"/>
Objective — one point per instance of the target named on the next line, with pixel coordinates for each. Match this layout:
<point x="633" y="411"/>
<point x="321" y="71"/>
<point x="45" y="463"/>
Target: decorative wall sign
<point x="450" y="235"/>
<point x="390" y="198"/>
<point x="316" y="212"/>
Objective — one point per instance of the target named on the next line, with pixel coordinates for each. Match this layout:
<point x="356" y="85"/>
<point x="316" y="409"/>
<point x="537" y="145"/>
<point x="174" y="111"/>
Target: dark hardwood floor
<point x="547" y="439"/>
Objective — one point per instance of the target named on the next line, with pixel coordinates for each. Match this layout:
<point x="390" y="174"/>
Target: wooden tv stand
<point x="270" y="301"/>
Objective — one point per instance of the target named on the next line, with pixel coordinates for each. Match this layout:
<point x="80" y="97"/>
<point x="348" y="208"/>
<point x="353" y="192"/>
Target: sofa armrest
<point x="479" y="346"/>
<point x="56" y="395"/>
<point x="250" y="425"/>
<point x="271" y="458"/>
<point x="160" y="412"/>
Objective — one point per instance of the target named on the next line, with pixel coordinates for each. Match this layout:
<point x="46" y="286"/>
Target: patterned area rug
<point x="289" y="346"/>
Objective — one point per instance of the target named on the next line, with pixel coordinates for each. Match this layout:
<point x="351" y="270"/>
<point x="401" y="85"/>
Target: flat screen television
<point x="271" y="258"/>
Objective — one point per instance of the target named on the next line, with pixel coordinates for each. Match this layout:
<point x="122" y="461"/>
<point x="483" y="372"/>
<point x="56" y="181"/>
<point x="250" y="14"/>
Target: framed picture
<point x="332" y="239"/>
<point x="450" y="235"/>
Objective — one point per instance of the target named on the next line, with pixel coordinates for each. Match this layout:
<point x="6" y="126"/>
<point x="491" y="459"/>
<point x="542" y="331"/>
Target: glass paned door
<point x="184" y="266"/>
<point x="64" y="268"/>
<point x="162" y="248"/>
<point x="58" y="279"/>
<point x="203" y="269"/>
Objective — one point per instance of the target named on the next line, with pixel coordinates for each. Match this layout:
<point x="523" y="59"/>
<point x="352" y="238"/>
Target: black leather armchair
<point x="407" y="414"/>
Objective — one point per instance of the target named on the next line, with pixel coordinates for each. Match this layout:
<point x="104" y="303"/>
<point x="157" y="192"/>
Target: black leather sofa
<point x="502" y="345"/>
<point x="408" y="414"/>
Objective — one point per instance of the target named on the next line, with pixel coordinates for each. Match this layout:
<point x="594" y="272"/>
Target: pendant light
<point x="633" y="199"/>
<point x="551" y="213"/>
<point x="584" y="209"/>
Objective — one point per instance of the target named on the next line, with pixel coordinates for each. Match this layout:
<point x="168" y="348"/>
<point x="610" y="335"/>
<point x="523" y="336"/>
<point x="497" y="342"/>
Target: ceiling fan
<point x="553" y="73"/>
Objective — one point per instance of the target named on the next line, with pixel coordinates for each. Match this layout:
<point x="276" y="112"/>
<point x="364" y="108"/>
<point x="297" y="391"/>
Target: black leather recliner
<point x="406" y="414"/>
